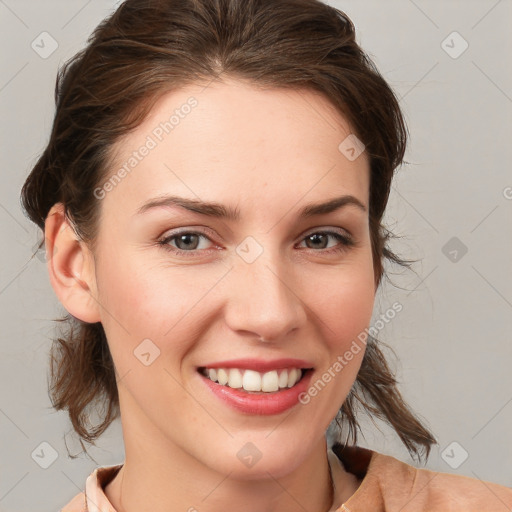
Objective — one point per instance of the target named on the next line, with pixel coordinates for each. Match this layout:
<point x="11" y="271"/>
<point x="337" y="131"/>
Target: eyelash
<point x="346" y="242"/>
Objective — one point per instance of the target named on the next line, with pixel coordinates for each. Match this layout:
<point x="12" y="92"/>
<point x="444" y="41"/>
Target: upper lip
<point x="260" y="365"/>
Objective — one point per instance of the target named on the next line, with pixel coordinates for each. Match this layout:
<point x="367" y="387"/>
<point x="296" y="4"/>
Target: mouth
<point x="254" y="382"/>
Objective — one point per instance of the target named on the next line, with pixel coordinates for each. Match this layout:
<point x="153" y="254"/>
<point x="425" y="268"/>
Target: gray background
<point x="453" y="336"/>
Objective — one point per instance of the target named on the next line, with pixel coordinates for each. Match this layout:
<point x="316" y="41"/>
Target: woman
<point x="211" y="198"/>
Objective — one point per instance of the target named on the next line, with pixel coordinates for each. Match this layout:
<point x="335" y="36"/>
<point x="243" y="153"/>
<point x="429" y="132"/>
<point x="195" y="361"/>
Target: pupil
<point x="315" y="237"/>
<point x="186" y="238"/>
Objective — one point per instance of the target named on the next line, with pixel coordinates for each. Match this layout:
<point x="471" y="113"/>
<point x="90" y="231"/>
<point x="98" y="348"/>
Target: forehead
<point x="236" y="143"/>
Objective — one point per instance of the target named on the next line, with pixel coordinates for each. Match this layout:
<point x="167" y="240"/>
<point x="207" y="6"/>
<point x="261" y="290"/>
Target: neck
<point x="159" y="476"/>
<point x="157" y="485"/>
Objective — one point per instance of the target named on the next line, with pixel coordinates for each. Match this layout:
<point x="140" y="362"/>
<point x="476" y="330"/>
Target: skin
<point x="267" y="152"/>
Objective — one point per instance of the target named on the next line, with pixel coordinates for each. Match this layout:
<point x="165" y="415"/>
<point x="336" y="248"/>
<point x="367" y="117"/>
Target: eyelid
<point x="328" y="229"/>
<point x="164" y="240"/>
<point x="198" y="230"/>
<point x="204" y="230"/>
<point x="344" y="238"/>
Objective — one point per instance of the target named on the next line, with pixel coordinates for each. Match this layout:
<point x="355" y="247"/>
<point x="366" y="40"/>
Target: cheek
<point x="342" y="302"/>
<point x="345" y="310"/>
<point x="343" y="298"/>
<point x="153" y="301"/>
<point x="349" y="310"/>
<point x="143" y="300"/>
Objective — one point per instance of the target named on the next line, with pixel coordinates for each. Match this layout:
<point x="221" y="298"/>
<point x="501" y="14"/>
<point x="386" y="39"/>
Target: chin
<point x="256" y="456"/>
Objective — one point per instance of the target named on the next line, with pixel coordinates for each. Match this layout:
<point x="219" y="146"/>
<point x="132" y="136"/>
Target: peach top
<point x="385" y="484"/>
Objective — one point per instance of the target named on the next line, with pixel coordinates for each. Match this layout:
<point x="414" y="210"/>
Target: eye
<point x="186" y="242"/>
<point x="189" y="242"/>
<point x="318" y="239"/>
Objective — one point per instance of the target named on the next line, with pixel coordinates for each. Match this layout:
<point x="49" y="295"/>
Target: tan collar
<point x="100" y="477"/>
<point x="345" y="483"/>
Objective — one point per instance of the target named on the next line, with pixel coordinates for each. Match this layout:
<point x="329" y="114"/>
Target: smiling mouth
<point x="252" y="381"/>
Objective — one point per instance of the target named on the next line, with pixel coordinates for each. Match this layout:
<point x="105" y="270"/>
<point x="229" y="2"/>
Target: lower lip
<point x="260" y="403"/>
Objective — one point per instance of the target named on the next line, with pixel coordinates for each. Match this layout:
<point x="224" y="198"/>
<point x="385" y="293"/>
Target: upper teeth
<point x="251" y="380"/>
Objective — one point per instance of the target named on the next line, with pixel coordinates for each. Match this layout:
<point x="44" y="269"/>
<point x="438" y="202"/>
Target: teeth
<point x="283" y="379"/>
<point x="269" y="381"/>
<point x="235" y="378"/>
<point x="222" y="376"/>
<point x="253" y="381"/>
<point x="293" y="376"/>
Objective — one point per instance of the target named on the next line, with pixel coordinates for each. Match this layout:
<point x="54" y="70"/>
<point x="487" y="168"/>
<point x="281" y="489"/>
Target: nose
<point x="264" y="298"/>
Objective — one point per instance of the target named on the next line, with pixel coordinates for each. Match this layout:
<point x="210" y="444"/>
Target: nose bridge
<point x="267" y="302"/>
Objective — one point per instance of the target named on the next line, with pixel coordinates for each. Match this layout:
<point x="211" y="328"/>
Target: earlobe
<point x="70" y="267"/>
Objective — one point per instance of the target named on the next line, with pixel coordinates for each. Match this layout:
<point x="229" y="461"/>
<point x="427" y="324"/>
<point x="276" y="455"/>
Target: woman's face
<point x="186" y="288"/>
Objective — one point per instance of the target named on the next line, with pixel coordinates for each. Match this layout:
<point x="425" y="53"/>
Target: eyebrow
<point x="213" y="209"/>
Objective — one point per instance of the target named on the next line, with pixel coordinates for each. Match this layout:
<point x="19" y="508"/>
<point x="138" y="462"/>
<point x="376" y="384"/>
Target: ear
<point x="70" y="266"/>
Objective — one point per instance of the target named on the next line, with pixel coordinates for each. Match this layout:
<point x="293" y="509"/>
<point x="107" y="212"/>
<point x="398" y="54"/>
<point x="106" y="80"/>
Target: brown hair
<point x="149" y="47"/>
